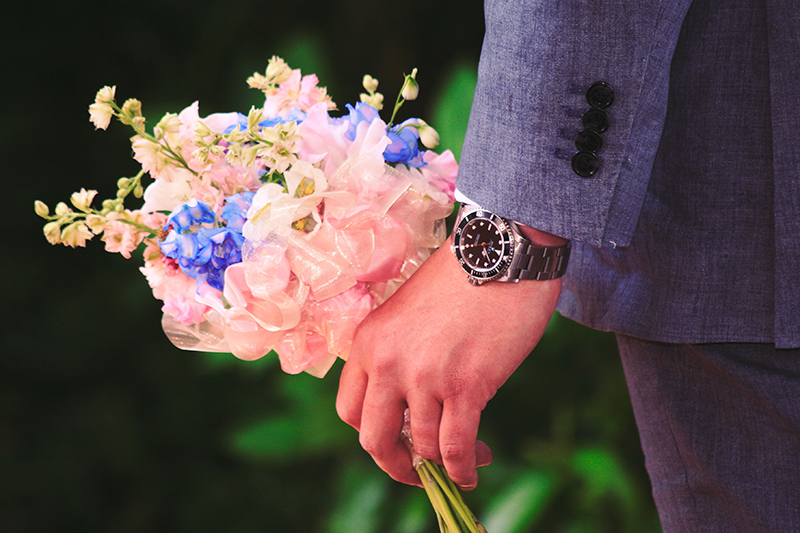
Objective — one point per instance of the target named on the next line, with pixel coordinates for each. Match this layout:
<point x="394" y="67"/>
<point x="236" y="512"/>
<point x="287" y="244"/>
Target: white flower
<point x="277" y="70"/>
<point x="164" y="195"/>
<point x="100" y="112"/>
<point x="169" y="129"/>
<point x="149" y="154"/>
<point x="83" y="199"/>
<point x="100" y="115"/>
<point x="260" y="223"/>
<point x="105" y="95"/>
<point x="76" y="234"/>
<point x="303" y="170"/>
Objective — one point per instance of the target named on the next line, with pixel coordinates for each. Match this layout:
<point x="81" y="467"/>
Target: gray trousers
<point x="720" y="430"/>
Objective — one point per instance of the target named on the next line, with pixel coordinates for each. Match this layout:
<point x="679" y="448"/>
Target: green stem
<point x="397" y="105"/>
<point x="142" y="227"/>
<point x="438" y="499"/>
<point x="454" y="497"/>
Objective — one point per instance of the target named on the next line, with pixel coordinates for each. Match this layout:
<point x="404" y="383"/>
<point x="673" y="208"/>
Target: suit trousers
<point x="720" y="429"/>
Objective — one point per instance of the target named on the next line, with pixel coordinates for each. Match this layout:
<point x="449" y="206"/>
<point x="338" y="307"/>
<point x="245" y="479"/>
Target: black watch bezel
<point x="506" y="240"/>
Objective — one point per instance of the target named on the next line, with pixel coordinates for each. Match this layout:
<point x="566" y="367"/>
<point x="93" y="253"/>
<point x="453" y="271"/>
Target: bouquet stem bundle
<point x="452" y="512"/>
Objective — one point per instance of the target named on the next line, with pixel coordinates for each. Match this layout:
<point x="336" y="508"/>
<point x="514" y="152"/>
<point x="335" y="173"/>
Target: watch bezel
<point x="506" y="240"/>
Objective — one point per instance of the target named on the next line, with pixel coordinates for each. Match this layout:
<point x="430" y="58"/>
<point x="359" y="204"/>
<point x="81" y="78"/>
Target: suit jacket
<point x="676" y="176"/>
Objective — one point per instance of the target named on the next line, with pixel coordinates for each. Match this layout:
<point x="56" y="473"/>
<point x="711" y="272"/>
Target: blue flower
<point x="205" y="254"/>
<point x="226" y="250"/>
<point x="360" y="113"/>
<point x="294" y="115"/>
<point x="404" y="146"/>
<point x="234" y="212"/>
<point x="192" y="250"/>
<point x="188" y="215"/>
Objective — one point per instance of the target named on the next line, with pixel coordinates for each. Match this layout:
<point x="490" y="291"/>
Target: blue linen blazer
<point x="685" y="210"/>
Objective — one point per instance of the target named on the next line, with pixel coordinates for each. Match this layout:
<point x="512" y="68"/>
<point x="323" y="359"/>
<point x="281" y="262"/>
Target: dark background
<point x="104" y="426"/>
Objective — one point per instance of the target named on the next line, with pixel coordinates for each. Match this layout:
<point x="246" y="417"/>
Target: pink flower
<point x="121" y="237"/>
<point x="174" y="288"/>
<point x="440" y="171"/>
<point x="297" y="91"/>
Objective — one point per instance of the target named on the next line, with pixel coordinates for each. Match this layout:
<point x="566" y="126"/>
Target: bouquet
<point x="278" y="231"/>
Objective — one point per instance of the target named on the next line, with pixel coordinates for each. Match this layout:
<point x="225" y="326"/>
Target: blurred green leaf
<point x="308" y="426"/>
<point x="518" y="507"/>
<point x="603" y="474"/>
<point x="416" y="513"/>
<point x="362" y="495"/>
<point x="451" y="108"/>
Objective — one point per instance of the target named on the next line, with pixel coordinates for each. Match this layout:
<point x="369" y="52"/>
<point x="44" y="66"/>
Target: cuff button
<point x="600" y="95"/>
<point x="585" y="164"/>
<point x="588" y="141"/>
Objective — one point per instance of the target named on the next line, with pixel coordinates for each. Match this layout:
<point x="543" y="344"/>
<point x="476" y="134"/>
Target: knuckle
<point x="370" y="444"/>
<point x="453" y="453"/>
<point x="426" y="451"/>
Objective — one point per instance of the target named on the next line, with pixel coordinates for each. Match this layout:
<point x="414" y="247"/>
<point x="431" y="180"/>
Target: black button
<point x="588" y="141"/>
<point x="600" y="95"/>
<point x="595" y="120"/>
<point x="585" y="164"/>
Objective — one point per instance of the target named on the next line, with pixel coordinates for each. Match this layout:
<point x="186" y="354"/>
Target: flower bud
<point x="427" y="135"/>
<point x="132" y="108"/>
<point x="370" y="84"/>
<point x="52" y="232"/>
<point x="41" y="208"/>
<point x="62" y="209"/>
<point x="373" y="100"/>
<point x="411" y="87"/>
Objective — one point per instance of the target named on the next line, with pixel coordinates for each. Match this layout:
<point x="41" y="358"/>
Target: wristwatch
<point x="492" y="248"/>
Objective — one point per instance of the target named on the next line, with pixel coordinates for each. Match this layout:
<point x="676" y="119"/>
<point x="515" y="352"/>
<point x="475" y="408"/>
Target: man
<point x="658" y="138"/>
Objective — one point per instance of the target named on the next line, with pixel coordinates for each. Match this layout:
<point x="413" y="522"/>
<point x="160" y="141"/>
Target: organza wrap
<point x="303" y="293"/>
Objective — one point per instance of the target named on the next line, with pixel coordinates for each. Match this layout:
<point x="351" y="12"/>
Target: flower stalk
<point x="409" y="91"/>
<point x="452" y="513"/>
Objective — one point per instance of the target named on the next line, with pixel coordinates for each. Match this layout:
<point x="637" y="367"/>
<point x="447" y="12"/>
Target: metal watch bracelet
<point x="536" y="262"/>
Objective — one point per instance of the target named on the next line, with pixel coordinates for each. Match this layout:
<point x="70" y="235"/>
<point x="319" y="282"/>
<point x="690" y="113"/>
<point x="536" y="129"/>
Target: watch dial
<point x="481" y="244"/>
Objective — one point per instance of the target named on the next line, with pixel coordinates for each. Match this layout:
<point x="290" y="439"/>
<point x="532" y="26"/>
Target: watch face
<point x="482" y="242"/>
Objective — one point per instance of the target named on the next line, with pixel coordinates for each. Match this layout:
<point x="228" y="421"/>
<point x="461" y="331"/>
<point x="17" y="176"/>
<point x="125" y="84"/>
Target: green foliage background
<point x="104" y="426"/>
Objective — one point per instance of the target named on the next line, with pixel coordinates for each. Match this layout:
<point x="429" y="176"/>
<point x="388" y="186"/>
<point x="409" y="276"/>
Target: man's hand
<point x="442" y="348"/>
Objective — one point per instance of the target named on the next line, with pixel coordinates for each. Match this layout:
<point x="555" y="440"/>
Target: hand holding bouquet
<point x="279" y="230"/>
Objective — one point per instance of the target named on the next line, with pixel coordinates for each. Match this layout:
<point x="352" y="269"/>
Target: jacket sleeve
<point x="540" y="151"/>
